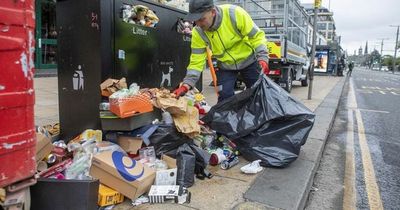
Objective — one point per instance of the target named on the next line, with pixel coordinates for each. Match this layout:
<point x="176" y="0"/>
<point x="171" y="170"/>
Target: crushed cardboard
<point x="110" y="86"/>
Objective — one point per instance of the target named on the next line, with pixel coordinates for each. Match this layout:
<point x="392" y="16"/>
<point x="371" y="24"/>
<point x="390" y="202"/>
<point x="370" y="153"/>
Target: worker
<point x="235" y="41"/>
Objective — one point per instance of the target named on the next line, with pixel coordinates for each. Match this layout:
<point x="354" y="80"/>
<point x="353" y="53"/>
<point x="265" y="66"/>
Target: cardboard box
<point x="50" y="194"/>
<point x="108" y="196"/>
<point x="43" y="146"/>
<point x="125" y="175"/>
<point x="168" y="176"/>
<point x="130" y="144"/>
<point x="161" y="194"/>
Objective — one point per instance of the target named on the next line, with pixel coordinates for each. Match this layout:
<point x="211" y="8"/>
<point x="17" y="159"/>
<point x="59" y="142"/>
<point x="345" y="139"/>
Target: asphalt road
<point x="360" y="167"/>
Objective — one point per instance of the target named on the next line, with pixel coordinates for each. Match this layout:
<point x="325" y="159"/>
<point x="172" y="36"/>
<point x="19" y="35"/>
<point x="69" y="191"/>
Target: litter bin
<point x="94" y="43"/>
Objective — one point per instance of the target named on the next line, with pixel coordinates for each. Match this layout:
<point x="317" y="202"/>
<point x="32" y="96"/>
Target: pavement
<point x="273" y="188"/>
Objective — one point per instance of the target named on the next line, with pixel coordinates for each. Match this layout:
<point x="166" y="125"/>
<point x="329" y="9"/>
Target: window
<point x="321" y="26"/>
<point x="330" y="26"/>
<point x="329" y="35"/>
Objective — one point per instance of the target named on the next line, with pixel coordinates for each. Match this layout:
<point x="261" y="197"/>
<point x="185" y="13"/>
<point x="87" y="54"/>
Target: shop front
<point x="46" y="36"/>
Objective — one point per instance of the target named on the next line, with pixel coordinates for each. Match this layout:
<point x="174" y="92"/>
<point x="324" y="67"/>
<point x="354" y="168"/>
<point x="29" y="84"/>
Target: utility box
<point x="17" y="96"/>
<point x="95" y="43"/>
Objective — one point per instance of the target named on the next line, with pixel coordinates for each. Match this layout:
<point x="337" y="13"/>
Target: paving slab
<point x="282" y="188"/>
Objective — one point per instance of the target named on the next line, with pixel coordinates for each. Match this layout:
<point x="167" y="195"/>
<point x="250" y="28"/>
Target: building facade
<point x="326" y="24"/>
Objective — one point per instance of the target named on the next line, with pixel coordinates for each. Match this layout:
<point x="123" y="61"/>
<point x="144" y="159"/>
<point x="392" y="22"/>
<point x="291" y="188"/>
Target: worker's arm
<point x="197" y="59"/>
<point x="256" y="36"/>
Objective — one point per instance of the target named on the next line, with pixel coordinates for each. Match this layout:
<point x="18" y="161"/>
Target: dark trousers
<point x="349" y="72"/>
<point x="227" y="79"/>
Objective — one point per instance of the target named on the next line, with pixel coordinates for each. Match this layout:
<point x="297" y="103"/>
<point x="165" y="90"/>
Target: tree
<point x="388" y="61"/>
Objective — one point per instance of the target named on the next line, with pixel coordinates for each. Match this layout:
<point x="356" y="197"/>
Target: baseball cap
<point x="197" y="9"/>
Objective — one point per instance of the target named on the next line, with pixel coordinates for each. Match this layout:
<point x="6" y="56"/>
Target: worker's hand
<point x="181" y="91"/>
<point x="264" y="66"/>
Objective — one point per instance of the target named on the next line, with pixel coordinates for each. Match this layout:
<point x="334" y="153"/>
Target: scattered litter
<point x="176" y="193"/>
<point x="252" y="168"/>
<point x="141" y="200"/>
<point x="229" y="163"/>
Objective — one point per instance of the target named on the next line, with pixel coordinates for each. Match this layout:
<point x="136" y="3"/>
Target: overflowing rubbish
<point x="139" y="14"/>
<point x="153" y="147"/>
<point x="265" y="122"/>
<point x="184" y="27"/>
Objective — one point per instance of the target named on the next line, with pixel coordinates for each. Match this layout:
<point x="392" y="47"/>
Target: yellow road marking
<point x="372" y="189"/>
<point x="383" y="92"/>
<point x="374" y="197"/>
<point x="394" y="93"/>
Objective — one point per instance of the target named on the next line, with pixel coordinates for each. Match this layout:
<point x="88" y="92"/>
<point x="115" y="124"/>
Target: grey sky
<point x="358" y="21"/>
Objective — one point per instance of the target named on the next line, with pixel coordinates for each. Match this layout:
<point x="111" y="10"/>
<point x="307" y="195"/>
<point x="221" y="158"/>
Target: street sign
<point x="317" y="3"/>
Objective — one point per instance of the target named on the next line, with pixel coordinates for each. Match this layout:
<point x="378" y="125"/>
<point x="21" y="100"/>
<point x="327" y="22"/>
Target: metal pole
<point x="380" y="60"/>
<point x="314" y="39"/>
<point x="395" y="49"/>
<point x="380" y="63"/>
<point x="337" y="43"/>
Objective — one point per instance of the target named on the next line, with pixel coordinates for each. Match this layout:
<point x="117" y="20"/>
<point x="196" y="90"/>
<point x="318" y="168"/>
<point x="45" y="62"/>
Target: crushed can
<point x="229" y="163"/>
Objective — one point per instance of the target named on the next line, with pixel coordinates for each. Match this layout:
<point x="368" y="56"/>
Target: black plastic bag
<point x="265" y="122"/>
<point x="166" y="140"/>
<point x="186" y="163"/>
<point x="202" y="158"/>
<point x="190" y="158"/>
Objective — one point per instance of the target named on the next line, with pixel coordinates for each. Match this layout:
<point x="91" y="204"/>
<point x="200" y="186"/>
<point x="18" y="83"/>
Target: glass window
<point x="321" y="26"/>
<point x="330" y="26"/>
<point x="329" y="35"/>
<point x="48" y="17"/>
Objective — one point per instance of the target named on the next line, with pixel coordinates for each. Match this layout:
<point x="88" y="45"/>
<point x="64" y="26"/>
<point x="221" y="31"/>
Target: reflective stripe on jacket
<point x="234" y="39"/>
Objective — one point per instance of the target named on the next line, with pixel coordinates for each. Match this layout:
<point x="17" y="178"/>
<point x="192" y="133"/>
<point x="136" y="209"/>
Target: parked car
<point x="384" y="68"/>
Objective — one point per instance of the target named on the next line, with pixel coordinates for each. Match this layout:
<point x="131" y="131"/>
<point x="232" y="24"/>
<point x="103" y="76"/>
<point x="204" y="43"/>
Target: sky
<point x="359" y="21"/>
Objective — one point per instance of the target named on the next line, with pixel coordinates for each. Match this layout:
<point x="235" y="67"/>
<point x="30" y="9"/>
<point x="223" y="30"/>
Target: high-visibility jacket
<point x="234" y="39"/>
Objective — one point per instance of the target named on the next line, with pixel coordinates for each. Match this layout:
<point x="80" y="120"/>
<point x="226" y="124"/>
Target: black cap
<point x="197" y="8"/>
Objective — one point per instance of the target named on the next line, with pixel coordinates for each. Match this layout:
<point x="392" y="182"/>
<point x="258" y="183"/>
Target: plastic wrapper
<point x="265" y="122"/>
<point x="79" y="169"/>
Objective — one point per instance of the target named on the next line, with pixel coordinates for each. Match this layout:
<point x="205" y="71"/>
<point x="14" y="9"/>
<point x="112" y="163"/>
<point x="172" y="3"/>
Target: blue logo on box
<point x="122" y="169"/>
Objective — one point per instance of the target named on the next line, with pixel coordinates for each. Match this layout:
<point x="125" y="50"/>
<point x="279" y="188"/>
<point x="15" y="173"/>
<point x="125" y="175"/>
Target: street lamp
<point x="395" y="46"/>
<point x="380" y="60"/>
<point x="317" y="4"/>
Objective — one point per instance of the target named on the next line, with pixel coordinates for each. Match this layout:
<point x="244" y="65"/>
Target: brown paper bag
<point x="172" y="105"/>
<point x="188" y="123"/>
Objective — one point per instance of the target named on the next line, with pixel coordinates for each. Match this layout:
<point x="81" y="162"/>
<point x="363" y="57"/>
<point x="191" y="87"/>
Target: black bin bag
<point x="265" y="122"/>
<point x="190" y="159"/>
<point x="166" y="140"/>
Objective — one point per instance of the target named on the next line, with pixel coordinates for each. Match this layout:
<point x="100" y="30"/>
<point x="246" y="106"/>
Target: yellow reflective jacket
<point x="234" y="39"/>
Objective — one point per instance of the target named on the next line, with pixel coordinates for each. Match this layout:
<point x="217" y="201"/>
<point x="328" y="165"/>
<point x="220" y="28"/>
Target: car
<point x="384" y="68"/>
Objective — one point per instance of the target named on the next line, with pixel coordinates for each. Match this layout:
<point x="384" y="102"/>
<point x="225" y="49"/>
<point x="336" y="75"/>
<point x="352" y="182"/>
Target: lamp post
<point x="317" y="4"/>
<point x="395" y="46"/>
<point x="380" y="60"/>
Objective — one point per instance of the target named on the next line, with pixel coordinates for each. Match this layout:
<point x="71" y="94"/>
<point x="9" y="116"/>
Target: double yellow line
<point x="372" y="189"/>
